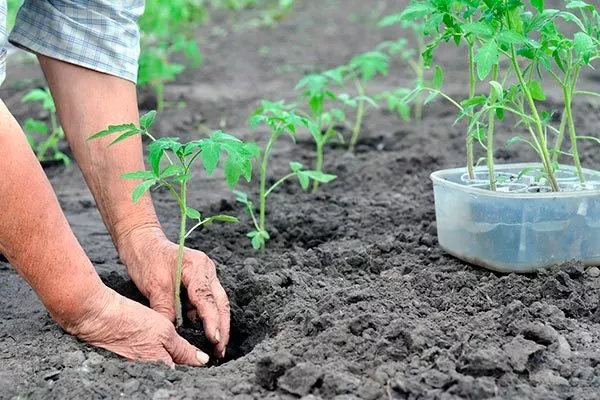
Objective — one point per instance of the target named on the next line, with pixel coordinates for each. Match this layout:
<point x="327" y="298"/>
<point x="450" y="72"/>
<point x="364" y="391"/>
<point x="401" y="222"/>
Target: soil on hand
<point x="353" y="298"/>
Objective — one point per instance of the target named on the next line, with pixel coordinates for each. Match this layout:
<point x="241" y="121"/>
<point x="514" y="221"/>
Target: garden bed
<point x="352" y="296"/>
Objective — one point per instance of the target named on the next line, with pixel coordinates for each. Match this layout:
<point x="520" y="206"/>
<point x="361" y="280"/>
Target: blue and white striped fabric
<point x="97" y="34"/>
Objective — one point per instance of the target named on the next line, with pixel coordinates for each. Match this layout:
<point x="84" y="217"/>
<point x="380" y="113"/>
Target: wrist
<point x="136" y="243"/>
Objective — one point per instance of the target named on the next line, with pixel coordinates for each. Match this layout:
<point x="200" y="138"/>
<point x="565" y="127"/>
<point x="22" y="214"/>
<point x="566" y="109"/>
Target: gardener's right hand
<point x="132" y="330"/>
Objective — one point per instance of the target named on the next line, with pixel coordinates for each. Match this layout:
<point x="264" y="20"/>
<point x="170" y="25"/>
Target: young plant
<point x="316" y="91"/>
<point x="361" y="70"/>
<point x="44" y="138"/>
<point x="167" y="29"/>
<point x="280" y="119"/>
<point x="175" y="176"/>
<point x="414" y="58"/>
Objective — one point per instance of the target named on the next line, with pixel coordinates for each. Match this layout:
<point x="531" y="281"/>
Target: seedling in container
<point x="46" y="146"/>
<point x="281" y="119"/>
<point x="175" y="176"/>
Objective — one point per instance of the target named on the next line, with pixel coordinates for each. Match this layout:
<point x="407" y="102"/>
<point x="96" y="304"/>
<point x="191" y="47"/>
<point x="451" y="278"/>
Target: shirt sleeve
<point x="102" y="35"/>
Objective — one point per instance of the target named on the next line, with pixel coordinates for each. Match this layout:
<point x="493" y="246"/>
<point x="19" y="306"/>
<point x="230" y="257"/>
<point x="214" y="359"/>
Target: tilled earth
<point x="353" y="298"/>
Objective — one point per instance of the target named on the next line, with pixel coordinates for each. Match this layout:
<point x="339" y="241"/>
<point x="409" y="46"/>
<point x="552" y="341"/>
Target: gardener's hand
<point x="151" y="261"/>
<point x="131" y="330"/>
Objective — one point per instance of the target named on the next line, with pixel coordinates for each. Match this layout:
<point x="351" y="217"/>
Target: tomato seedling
<point x="414" y="58"/>
<point x="44" y="138"/>
<point x="280" y="119"/>
<point x="175" y="176"/>
<point x="316" y="90"/>
<point x="167" y="30"/>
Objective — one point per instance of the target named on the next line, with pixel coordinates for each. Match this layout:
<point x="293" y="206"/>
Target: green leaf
<point x="416" y="11"/>
<point x="584" y="46"/>
<point x="498" y="91"/>
<point x="319" y="176"/>
<point x="508" y="37"/>
<point x="538" y="5"/>
<point x="487" y="56"/>
<point x="34" y="126"/>
<point x="478" y="28"/>
<point x="141" y="189"/>
<point x="211" y="152"/>
<point x="233" y="173"/>
<point x="125" y="136"/>
<point x="295" y="166"/>
<point x="303" y="179"/>
<point x="114" y="129"/>
<point x="222" y="218"/>
<point x="257" y="242"/>
<point x="139" y="175"/>
<point x="473" y="101"/>
<point x="241" y="197"/>
<point x="171" y="170"/>
<point x="537" y="92"/>
<point x="438" y="78"/>
<point x="147" y="119"/>
<point x="192" y="213"/>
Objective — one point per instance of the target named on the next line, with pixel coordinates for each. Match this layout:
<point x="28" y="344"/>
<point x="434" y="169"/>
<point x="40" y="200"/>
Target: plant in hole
<point x="175" y="176"/>
<point x="315" y="89"/>
<point x="281" y="119"/>
<point x="527" y="36"/>
<point x="414" y="58"/>
<point x="46" y="149"/>
<point x="166" y="30"/>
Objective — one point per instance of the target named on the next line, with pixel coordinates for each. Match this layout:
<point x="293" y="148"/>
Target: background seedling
<point x="181" y="157"/>
<point x="414" y="58"/>
<point x="316" y="91"/>
<point x="167" y="29"/>
<point x="44" y="138"/>
<point x="281" y="119"/>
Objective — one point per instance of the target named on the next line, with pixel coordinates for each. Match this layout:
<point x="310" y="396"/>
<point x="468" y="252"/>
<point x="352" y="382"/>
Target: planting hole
<point x="246" y="330"/>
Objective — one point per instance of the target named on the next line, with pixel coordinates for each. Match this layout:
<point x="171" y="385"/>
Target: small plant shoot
<point x="280" y="119"/>
<point x="44" y="138"/>
<point x="179" y="158"/>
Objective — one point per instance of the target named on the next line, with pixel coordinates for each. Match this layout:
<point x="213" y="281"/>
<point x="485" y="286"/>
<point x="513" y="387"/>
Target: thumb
<point x="183" y="352"/>
<point x="163" y="305"/>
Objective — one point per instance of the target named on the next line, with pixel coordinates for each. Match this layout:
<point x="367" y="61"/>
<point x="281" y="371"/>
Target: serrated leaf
<point x="478" y="28"/>
<point x="139" y="175"/>
<point x="125" y="136"/>
<point x="113" y="129"/>
<point x="147" y="119"/>
<point x="498" y="90"/>
<point x="537" y="92"/>
<point x="171" y="170"/>
<point x="192" y="213"/>
<point x="487" y="56"/>
<point x="141" y="189"/>
<point x="538" y="5"/>
<point x="211" y="152"/>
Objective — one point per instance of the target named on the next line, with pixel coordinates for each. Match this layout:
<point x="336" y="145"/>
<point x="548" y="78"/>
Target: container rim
<point x="438" y="179"/>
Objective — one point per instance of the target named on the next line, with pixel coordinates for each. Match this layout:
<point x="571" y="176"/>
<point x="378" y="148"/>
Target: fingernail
<point x="202" y="357"/>
<point x="223" y="352"/>
<point x="218" y="335"/>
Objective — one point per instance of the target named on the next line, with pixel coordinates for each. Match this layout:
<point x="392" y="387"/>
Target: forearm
<point x="87" y="102"/>
<point x="34" y="234"/>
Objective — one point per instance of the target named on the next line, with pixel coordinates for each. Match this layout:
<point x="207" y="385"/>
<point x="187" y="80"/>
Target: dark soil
<point x="353" y="298"/>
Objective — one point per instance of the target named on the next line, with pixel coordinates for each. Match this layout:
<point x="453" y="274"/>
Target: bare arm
<point x="87" y="102"/>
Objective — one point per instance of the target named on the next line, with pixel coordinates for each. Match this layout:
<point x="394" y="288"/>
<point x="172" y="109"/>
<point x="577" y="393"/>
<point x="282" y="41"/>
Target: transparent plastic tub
<point x="523" y="226"/>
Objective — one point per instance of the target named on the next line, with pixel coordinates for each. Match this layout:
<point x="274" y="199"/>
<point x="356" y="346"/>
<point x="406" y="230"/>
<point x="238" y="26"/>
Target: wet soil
<point x="353" y="298"/>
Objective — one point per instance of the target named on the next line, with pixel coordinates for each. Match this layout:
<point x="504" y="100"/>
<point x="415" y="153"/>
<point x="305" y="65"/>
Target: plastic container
<point x="523" y="226"/>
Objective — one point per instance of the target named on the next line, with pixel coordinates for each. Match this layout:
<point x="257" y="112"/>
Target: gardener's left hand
<point x="151" y="261"/>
